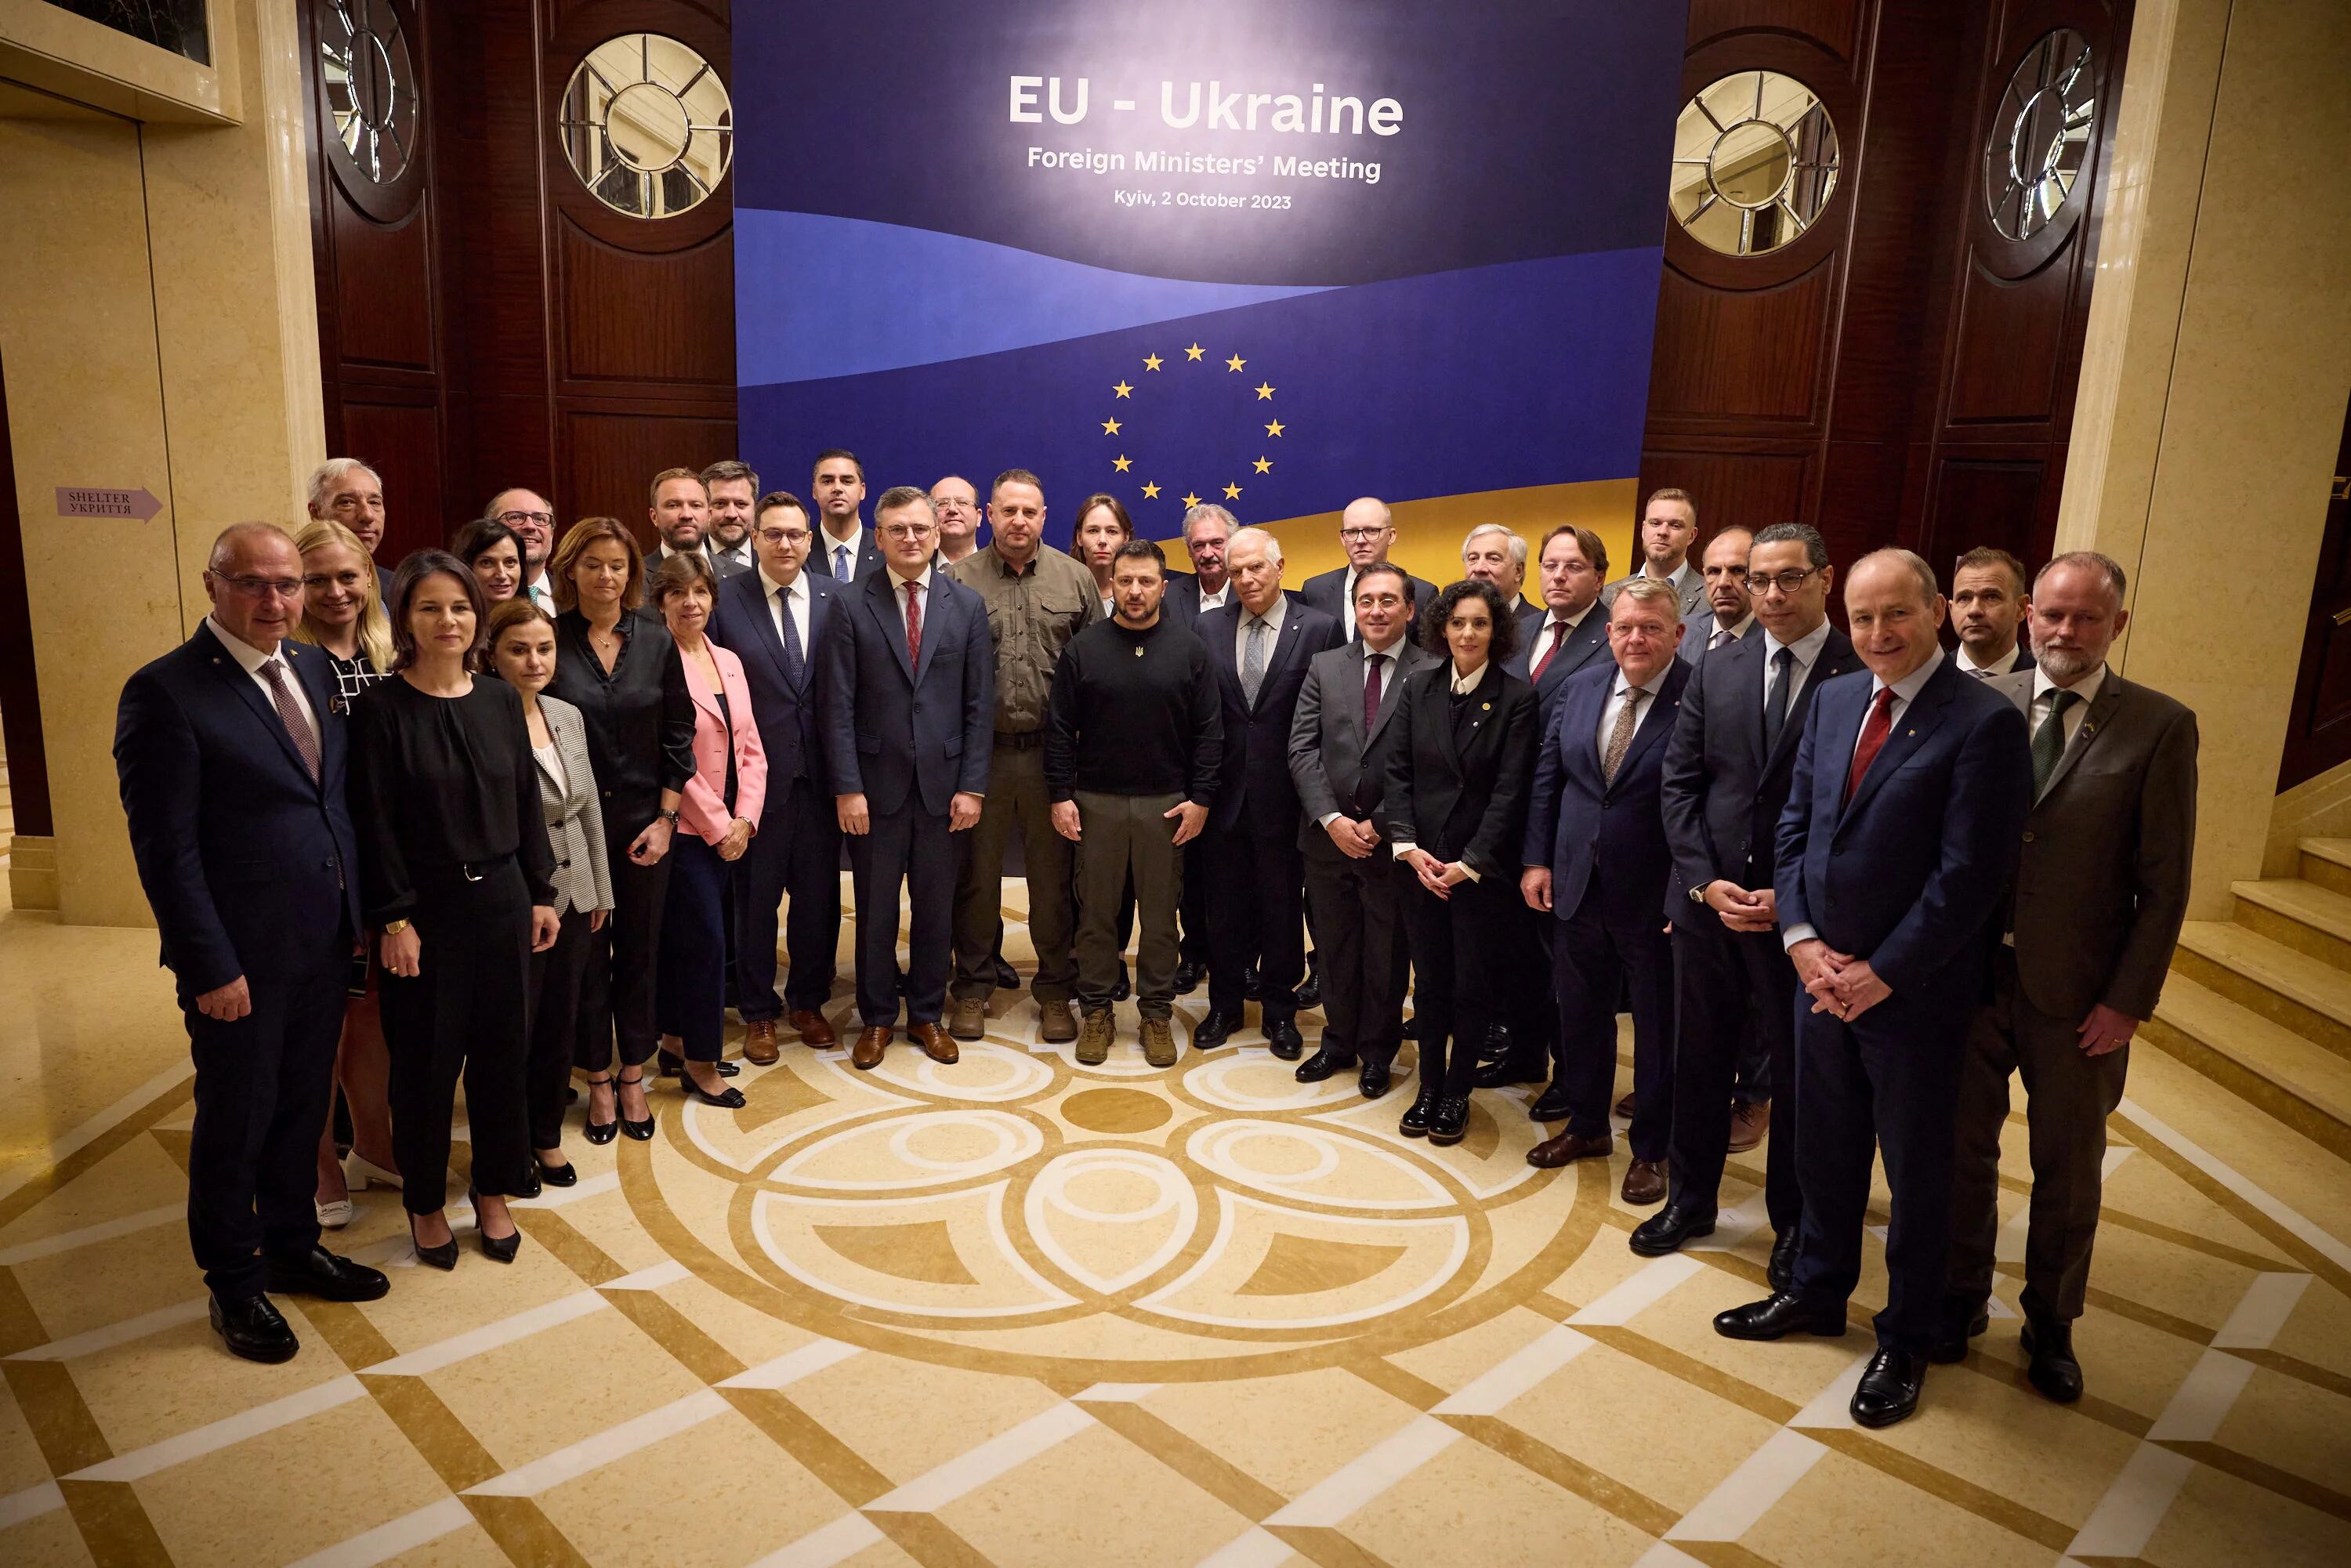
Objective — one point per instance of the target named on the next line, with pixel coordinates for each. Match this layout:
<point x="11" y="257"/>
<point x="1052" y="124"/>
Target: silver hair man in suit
<point x="2100" y="890"/>
<point x="1668" y="529"/>
<point x="1338" y="760"/>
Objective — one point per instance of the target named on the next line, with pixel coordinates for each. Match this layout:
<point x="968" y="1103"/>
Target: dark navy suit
<point x="250" y="866"/>
<point x="1587" y="642"/>
<point x="1907" y="874"/>
<point x="797" y="850"/>
<point x="909" y="740"/>
<point x="1606" y="846"/>
<point x="1722" y="796"/>
<point x="1257" y="872"/>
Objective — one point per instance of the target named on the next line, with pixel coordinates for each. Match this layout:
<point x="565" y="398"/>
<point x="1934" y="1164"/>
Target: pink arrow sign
<point x="91" y="501"/>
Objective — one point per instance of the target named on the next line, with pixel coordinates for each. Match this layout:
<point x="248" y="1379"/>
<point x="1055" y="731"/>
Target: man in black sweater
<point x="1134" y="737"/>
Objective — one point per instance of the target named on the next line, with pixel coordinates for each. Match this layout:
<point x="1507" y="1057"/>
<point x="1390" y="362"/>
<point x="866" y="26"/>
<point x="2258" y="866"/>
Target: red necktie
<point x="1873" y="731"/>
<point x="1558" y="635"/>
<point x="1371" y="692"/>
<point x="915" y="625"/>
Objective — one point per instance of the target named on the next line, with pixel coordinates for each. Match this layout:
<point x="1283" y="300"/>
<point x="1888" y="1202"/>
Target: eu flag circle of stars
<point x="1152" y="364"/>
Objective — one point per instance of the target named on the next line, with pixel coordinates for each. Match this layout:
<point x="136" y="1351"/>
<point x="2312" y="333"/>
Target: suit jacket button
<point x="2028" y="838"/>
<point x="563" y="865"/>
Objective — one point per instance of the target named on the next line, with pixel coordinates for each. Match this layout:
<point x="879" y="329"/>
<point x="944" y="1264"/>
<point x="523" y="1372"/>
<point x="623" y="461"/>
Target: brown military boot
<point x="1158" y="1043"/>
<point x="1056" y="1024"/>
<point x="969" y="1018"/>
<point x="1093" y="1040"/>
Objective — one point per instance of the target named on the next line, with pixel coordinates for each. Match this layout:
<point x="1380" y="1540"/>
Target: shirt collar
<point x="1393" y="651"/>
<point x="1009" y="569"/>
<point x="797" y="588"/>
<point x="1272" y="618"/>
<point x="1738" y="632"/>
<point x="1648" y="689"/>
<point x="1554" y="617"/>
<point x="248" y="657"/>
<point x="1807" y="648"/>
<point x="1462" y="687"/>
<point x="1908" y="688"/>
<point x="898" y="583"/>
<point x="1220" y="598"/>
<point x="1968" y="660"/>
<point x="2087" y="688"/>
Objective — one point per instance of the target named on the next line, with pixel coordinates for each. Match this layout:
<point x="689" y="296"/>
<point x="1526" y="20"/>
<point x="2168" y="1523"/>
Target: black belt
<point x="1030" y="741"/>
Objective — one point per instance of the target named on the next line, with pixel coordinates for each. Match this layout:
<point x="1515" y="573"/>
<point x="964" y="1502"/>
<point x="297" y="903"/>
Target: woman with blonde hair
<point x="342" y="615"/>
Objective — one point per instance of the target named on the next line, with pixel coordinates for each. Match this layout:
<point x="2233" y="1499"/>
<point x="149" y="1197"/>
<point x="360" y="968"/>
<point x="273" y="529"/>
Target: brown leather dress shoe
<point x="866" y="1054"/>
<point x="1645" y="1182"/>
<point x="1624" y="1107"/>
<point x="968" y="1018"/>
<point x="1749" y="1119"/>
<point x="934" y="1043"/>
<point x="815" y="1032"/>
<point x="1553" y="1153"/>
<point x="759" y="1043"/>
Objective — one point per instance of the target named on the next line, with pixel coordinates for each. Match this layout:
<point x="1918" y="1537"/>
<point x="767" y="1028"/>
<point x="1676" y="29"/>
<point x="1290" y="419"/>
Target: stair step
<point x="2290" y="989"/>
<point x="2300" y="915"/>
<point x="2326" y="863"/>
<point x="2304" y="1085"/>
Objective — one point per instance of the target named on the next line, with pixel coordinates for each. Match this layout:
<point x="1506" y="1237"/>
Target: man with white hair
<point x="1367" y="532"/>
<point x="1208" y="528"/>
<point x="1497" y="555"/>
<point x="1260" y="646"/>
<point x="346" y="491"/>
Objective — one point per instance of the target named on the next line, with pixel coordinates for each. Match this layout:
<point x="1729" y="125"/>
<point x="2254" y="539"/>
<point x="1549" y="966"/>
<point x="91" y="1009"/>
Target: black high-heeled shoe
<point x="442" y="1257"/>
<point x="603" y="1132"/>
<point x="498" y="1248"/>
<point x="728" y="1097"/>
<point x="565" y="1175"/>
<point x="640" y="1130"/>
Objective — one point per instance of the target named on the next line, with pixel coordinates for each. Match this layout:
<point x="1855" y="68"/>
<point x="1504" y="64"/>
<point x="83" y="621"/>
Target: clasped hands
<point x="1439" y="877"/>
<point x="1839" y="983"/>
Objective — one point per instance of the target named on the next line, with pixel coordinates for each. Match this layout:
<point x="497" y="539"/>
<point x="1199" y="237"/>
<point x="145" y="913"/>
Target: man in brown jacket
<point x="2101" y="888"/>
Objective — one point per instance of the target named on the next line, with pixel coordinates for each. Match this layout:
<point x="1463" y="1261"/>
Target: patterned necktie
<point x="1721" y="636"/>
<point x="1253" y="661"/>
<point x="1980" y="675"/>
<point x="795" y="657"/>
<point x="841" y="563"/>
<point x="1775" y="712"/>
<point x="915" y="626"/>
<point x="1873" y="731"/>
<point x="2048" y="740"/>
<point x="1620" y="739"/>
<point x="289" y="714"/>
<point x="1372" y="663"/>
<point x="1558" y="635"/>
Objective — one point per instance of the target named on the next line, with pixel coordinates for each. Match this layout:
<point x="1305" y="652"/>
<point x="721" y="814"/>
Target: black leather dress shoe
<point x="1778" y="1316"/>
<point x="1372" y="1080"/>
<point x="1411" y="1029"/>
<point x="1283" y="1040"/>
<point x="1322" y="1064"/>
<point x="1952" y="1344"/>
<point x="1551" y="1105"/>
<point x="1189" y="973"/>
<point x="253" y="1328"/>
<point x="1309" y="993"/>
<point x="1253" y="987"/>
<point x="1781" y="1269"/>
<point x="565" y="1175"/>
<point x="1415" y="1123"/>
<point x="1126" y="987"/>
<point x="2053" y="1370"/>
<point x="1496" y="1046"/>
<point x="1213" y="1030"/>
<point x="1665" y="1230"/>
<point x="1449" y="1123"/>
<point x="1008" y="979"/>
<point x="321" y="1273"/>
<point x="1888" y="1391"/>
<point x="1510" y="1069"/>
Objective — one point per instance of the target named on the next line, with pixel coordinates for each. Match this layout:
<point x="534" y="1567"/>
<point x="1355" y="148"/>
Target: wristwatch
<point x="1698" y="895"/>
<point x="393" y="928"/>
<point x="669" y="817"/>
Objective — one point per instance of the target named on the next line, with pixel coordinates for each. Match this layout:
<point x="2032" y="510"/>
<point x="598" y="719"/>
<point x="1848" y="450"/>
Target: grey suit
<point x="1358" y="921"/>
<point x="583" y="884"/>
<point x="2101" y="886"/>
<point x="575" y="821"/>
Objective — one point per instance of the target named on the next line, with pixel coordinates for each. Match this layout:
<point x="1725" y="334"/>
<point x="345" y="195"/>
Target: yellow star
<point x="1122" y="389"/>
<point x="1151" y="491"/>
<point x="1232" y="492"/>
<point x="1151" y="362"/>
<point x="1122" y="464"/>
<point x="1193" y="352"/>
<point x="1264" y="392"/>
<point x="1109" y="427"/>
<point x="1265" y="464"/>
<point x="1191" y="500"/>
<point x="1274" y="429"/>
<point x="1236" y="362"/>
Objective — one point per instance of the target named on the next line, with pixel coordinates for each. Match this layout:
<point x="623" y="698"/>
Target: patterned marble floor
<point x="1018" y="1311"/>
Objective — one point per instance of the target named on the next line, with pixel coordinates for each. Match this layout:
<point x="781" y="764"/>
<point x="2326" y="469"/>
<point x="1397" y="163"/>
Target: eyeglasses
<point x="779" y="536"/>
<point x="1361" y="536"/>
<point x="544" y="519"/>
<point x="335" y="579"/>
<point x="904" y="531"/>
<point x="1785" y="581"/>
<point x="257" y="586"/>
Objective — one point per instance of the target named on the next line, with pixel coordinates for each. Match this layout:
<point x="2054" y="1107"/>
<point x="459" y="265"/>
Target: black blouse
<point x="439" y="783"/>
<point x="639" y="716"/>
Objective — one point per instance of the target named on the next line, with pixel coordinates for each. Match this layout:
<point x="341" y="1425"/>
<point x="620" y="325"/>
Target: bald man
<point x="1367" y="533"/>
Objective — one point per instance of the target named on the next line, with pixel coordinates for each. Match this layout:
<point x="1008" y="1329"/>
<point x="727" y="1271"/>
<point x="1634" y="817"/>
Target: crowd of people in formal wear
<point x="534" y="811"/>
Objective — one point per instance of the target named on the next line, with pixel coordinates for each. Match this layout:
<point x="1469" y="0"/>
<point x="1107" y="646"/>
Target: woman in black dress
<point x="1455" y="810"/>
<point x="620" y="670"/>
<point x="456" y="878"/>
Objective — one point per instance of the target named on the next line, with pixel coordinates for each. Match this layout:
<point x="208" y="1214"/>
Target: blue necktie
<point x="795" y="661"/>
<point x="841" y="563"/>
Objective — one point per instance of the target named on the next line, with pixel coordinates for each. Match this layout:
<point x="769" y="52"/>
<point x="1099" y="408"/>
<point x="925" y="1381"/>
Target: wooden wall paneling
<point x="1833" y="25"/>
<point x="665" y="319"/>
<point x="611" y="452"/>
<point x="383" y="298"/>
<point x="1734" y="489"/>
<point x="1985" y="500"/>
<point x="399" y="435"/>
<point x="1754" y="354"/>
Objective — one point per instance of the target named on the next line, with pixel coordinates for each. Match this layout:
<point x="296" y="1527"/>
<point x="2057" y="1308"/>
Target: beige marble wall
<point x="2214" y="378"/>
<point x="160" y="332"/>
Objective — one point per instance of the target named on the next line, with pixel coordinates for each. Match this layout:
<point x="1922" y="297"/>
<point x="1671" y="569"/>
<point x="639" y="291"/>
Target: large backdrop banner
<point x="1276" y="253"/>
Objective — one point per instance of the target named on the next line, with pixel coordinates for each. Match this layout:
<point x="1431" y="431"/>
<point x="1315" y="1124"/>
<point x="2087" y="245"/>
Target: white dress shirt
<point x="793" y="600"/>
<point x="1807" y="651"/>
<point x="1219" y="600"/>
<point x="541" y="590"/>
<point x="250" y="659"/>
<point x="1347" y="602"/>
<point x="1460" y="685"/>
<point x="1968" y="665"/>
<point x="1548" y="636"/>
<point x="1728" y="634"/>
<point x="1623" y="693"/>
<point x="739" y="555"/>
<point x="1905" y="691"/>
<point x="1273" y="620"/>
<point x="855" y="544"/>
<point x="2044" y="692"/>
<point x="921" y="594"/>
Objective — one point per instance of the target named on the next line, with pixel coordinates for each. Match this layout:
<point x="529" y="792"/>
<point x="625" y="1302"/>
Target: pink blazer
<point x="704" y="809"/>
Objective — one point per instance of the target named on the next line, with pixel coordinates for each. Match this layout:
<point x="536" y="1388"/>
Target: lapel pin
<point x="1485" y="707"/>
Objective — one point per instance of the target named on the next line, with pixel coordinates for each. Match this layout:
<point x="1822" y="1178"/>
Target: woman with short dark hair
<point x="1453" y="814"/>
<point x="456" y="880"/>
<point x="493" y="553"/>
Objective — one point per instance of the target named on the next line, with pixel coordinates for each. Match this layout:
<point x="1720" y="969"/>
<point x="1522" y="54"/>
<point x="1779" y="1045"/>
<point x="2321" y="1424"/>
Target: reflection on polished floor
<point x="1016" y="1312"/>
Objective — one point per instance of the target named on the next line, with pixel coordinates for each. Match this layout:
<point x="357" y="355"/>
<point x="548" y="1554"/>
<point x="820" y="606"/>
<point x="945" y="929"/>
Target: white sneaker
<point x="360" y="1173"/>
<point x="333" y="1216"/>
